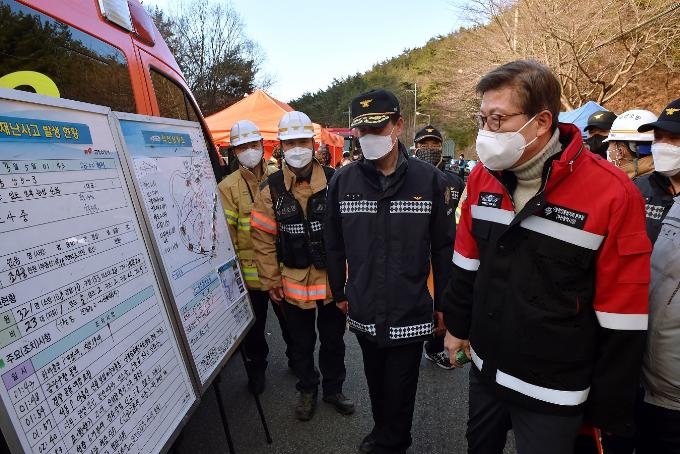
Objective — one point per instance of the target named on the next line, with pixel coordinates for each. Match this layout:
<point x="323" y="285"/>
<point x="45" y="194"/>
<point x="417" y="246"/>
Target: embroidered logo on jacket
<point x="455" y="194"/>
<point x="353" y="196"/>
<point x="490" y="199"/>
<point x="565" y="216"/>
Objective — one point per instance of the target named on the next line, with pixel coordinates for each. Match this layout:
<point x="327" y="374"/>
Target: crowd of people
<point x="559" y="282"/>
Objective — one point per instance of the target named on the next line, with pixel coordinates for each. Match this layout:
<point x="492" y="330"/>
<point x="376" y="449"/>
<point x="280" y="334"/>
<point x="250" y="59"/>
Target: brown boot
<point x="306" y="406"/>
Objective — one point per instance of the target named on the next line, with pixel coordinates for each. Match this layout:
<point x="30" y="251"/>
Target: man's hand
<point x="276" y="294"/>
<point x="439" y="328"/>
<point x="453" y="344"/>
<point x="343" y="306"/>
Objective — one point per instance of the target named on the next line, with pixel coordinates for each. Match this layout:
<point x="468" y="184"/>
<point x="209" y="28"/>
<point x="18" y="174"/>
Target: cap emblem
<point x="671" y="111"/>
<point x="365" y="103"/>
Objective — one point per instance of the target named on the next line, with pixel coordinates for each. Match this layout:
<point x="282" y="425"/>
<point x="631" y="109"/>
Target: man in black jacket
<point x="429" y="149"/>
<point x="388" y="217"/>
<point x="598" y="127"/>
<point x="656" y="187"/>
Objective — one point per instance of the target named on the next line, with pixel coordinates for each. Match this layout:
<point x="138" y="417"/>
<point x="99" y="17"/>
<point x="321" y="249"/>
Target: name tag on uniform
<point x="353" y="196"/>
<point x="566" y="216"/>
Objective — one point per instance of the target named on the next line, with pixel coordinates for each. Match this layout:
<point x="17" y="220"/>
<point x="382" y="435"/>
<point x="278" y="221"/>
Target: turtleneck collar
<point x="533" y="168"/>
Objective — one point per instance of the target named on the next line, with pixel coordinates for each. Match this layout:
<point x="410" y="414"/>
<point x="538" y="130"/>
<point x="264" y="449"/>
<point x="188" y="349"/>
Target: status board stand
<point x="258" y="404"/>
<point x="223" y="414"/>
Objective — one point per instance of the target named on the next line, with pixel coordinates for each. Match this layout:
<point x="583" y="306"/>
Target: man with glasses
<point x="388" y="216"/>
<point x="548" y="293"/>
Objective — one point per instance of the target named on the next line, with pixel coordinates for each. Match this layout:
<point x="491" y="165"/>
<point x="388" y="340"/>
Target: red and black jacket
<point x="554" y="298"/>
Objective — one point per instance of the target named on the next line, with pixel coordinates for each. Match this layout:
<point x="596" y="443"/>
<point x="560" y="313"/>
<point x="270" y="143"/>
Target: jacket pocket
<point x="298" y="275"/>
<point x="634" y="252"/>
<point x="564" y="279"/>
<point x="550" y="341"/>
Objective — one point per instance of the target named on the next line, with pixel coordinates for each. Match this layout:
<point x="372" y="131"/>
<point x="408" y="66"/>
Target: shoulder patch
<point x="490" y="199"/>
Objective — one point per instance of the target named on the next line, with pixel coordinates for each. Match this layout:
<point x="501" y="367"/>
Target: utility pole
<point x="415" y="106"/>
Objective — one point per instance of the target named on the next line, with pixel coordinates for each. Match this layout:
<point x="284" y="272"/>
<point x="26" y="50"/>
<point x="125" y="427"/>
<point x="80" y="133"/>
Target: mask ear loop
<point x="525" y="125"/>
<point x="396" y="139"/>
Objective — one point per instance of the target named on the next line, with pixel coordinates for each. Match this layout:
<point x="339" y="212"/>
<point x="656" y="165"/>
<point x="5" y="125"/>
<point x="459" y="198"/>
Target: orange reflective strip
<point x="261" y="222"/>
<point x="303" y="292"/>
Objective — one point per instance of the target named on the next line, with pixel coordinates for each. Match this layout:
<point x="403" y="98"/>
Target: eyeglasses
<point x="493" y="120"/>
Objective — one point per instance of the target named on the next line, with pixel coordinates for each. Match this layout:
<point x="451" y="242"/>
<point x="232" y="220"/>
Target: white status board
<point x="176" y="184"/>
<point x="88" y="357"/>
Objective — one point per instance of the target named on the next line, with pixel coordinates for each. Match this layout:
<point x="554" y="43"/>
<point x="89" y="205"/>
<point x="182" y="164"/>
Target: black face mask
<point x="597" y="146"/>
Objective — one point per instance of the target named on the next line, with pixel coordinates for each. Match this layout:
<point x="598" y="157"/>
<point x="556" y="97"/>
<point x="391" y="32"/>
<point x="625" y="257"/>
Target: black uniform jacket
<point x="379" y="243"/>
<point x="658" y="200"/>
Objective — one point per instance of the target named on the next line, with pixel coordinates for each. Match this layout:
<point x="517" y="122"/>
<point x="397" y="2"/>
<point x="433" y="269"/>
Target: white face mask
<point x="250" y="157"/>
<point x="298" y="157"/>
<point x="666" y="158"/>
<point x="374" y="146"/>
<point x="501" y="150"/>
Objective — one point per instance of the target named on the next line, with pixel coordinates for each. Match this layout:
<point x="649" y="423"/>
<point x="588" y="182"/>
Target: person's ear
<point x="399" y="126"/>
<point x="543" y="122"/>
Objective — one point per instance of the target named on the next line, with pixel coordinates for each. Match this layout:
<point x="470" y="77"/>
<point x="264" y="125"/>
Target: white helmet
<point x="244" y="131"/>
<point x="295" y="125"/>
<point x="625" y="127"/>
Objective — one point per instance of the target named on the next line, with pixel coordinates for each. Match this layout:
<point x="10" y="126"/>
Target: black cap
<point x="669" y="120"/>
<point x="602" y="119"/>
<point x="373" y="108"/>
<point x="428" y="132"/>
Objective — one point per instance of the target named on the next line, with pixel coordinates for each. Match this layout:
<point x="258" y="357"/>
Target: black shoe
<point x="306" y="406"/>
<point x="342" y="404"/>
<point x="441" y="359"/>
<point x="367" y="445"/>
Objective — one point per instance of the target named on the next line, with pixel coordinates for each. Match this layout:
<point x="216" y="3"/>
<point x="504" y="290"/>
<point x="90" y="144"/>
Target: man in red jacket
<point x="548" y="293"/>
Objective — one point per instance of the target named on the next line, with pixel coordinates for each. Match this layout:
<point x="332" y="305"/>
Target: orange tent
<point x="265" y="112"/>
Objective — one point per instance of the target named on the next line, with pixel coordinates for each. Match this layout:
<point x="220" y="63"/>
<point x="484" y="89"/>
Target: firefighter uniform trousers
<point x="330" y="322"/>
<point x="287" y="228"/>
<point x="237" y="192"/>
<point x="255" y="343"/>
